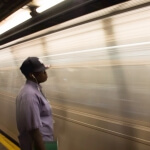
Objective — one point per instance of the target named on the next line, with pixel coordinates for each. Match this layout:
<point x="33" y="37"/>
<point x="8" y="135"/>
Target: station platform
<point x="6" y="144"/>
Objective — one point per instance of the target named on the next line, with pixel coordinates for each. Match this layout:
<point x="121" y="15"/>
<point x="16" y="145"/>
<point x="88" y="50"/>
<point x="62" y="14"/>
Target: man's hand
<point x="37" y="139"/>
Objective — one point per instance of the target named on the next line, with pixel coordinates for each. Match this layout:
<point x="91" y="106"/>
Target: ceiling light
<point x="15" y="19"/>
<point x="45" y="4"/>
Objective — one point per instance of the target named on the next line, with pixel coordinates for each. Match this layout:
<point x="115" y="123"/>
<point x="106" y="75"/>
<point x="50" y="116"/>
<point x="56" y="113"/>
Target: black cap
<point x="32" y="64"/>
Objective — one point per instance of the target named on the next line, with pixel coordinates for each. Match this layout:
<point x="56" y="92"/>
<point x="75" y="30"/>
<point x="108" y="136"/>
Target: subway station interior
<point x="98" y="85"/>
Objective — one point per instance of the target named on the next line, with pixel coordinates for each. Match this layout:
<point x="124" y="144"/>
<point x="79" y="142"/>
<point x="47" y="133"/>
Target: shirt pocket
<point x="45" y="109"/>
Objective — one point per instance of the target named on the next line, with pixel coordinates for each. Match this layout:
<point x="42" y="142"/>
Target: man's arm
<point x="37" y="138"/>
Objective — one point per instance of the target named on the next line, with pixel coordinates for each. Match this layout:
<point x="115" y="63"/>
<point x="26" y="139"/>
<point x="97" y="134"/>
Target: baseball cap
<point x="32" y="64"/>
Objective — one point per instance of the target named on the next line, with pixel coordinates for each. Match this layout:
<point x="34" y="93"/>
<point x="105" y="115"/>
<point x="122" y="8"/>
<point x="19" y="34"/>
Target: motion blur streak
<point x="99" y="79"/>
<point x="104" y="48"/>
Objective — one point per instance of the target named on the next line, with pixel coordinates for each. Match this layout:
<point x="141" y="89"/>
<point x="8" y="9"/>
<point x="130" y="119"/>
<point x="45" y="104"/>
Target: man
<point x="33" y="112"/>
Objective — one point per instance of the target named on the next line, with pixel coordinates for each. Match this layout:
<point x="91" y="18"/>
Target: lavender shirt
<point x="33" y="111"/>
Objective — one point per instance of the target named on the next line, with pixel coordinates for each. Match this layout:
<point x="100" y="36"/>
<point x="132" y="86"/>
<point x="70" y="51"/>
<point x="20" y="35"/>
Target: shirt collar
<point x="36" y="85"/>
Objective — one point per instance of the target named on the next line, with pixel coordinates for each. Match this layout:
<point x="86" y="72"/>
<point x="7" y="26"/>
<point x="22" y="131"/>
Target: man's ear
<point x="30" y="75"/>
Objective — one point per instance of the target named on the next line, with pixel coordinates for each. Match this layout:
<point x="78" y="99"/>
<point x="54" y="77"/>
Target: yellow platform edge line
<point x="7" y="143"/>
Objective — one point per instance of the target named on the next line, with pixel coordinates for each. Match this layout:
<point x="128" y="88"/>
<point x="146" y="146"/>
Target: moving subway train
<point x="99" y="80"/>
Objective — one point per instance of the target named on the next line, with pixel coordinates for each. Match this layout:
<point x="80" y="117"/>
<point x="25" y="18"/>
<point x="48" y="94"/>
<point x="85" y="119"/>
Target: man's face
<point x="41" y="76"/>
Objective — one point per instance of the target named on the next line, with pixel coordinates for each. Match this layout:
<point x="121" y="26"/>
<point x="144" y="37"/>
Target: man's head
<point x="34" y="69"/>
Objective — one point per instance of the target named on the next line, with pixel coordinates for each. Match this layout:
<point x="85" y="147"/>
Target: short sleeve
<point x="31" y="113"/>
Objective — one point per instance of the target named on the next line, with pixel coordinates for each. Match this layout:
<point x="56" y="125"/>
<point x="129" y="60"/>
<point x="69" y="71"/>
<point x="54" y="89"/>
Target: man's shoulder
<point x="28" y="91"/>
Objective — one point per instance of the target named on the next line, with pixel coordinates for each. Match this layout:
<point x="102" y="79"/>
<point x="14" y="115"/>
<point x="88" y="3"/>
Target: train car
<point x="99" y="79"/>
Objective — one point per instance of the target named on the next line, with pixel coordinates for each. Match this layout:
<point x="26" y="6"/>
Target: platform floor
<point x="6" y="144"/>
